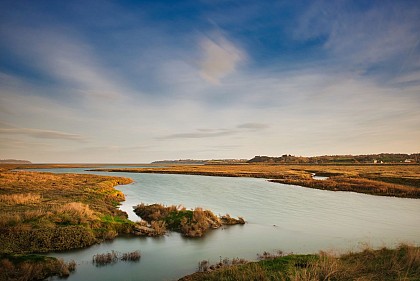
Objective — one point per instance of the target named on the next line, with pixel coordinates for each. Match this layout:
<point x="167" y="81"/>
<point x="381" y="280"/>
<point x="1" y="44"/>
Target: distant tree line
<point x="340" y="159"/>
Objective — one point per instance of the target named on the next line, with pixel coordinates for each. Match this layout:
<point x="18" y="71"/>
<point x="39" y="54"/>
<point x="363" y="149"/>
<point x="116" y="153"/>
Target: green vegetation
<point x="42" y="212"/>
<point x="191" y="223"/>
<point x="340" y="159"/>
<point x="402" y="263"/>
<point x="402" y="180"/>
<point x="33" y="267"/>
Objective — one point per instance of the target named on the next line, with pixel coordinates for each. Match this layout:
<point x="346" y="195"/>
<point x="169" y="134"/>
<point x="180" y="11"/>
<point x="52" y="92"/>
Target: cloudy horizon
<point x="139" y="81"/>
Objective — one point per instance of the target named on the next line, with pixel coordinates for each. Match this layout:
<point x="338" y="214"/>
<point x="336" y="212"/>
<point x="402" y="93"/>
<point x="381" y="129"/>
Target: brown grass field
<point x="41" y="212"/>
<point x="384" y="180"/>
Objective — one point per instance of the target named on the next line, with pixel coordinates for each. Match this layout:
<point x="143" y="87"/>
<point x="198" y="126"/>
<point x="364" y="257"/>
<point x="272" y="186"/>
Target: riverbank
<point x="44" y="212"/>
<point x="402" y="263"/>
<point x="383" y="180"/>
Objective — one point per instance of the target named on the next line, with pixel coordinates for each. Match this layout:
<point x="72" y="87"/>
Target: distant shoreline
<point x="394" y="180"/>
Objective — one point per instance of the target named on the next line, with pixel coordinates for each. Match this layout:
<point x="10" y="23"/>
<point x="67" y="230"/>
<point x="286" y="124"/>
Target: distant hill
<point x="14" y="161"/>
<point x="341" y="159"/>
<point x="200" y="162"/>
<point x="184" y="162"/>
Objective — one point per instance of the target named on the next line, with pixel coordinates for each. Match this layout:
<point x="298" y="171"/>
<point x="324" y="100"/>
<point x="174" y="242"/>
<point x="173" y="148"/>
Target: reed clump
<point x="105" y="259"/>
<point x="113" y="257"/>
<point x="131" y="256"/>
<point x="191" y="223"/>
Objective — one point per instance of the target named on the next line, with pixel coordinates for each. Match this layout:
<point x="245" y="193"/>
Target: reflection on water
<point x="321" y="178"/>
<point x="285" y="217"/>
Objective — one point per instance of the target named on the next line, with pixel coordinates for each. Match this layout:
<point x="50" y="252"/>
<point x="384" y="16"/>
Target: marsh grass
<point x="41" y="212"/>
<point x="33" y="267"/>
<point x="402" y="263"/>
<point x="131" y="256"/>
<point x="191" y="223"/>
<point x="22" y="198"/>
<point x="113" y="257"/>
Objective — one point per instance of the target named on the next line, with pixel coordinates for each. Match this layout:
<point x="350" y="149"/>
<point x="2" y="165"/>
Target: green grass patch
<point x="174" y="218"/>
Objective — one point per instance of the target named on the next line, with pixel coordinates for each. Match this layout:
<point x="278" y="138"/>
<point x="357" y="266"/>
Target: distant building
<point x="409" y="161"/>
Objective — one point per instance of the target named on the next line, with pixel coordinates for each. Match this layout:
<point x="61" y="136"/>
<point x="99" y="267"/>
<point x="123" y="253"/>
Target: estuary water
<point x="279" y="217"/>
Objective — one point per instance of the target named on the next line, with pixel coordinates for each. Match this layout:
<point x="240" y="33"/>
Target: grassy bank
<point x="42" y="212"/>
<point x="33" y="267"/>
<point x="402" y="263"/>
<point x="384" y="180"/>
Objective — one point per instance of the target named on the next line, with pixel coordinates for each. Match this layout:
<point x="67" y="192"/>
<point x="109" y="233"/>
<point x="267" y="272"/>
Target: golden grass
<point x="41" y="212"/>
<point x="22" y="198"/>
<point x="384" y="180"/>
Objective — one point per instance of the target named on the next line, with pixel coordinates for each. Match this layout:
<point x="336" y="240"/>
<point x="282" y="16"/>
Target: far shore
<point x="397" y="180"/>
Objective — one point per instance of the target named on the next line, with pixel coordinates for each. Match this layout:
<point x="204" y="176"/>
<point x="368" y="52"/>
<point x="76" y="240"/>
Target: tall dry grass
<point x="113" y="257"/>
<point x="21" y="198"/>
<point x="43" y="212"/>
<point x="402" y="263"/>
<point x="75" y="213"/>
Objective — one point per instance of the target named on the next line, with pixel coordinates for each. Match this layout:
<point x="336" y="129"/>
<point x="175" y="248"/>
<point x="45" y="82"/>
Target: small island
<point x="157" y="219"/>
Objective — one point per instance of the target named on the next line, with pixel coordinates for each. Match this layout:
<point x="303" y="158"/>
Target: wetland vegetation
<point x="43" y="212"/>
<point x="191" y="223"/>
<point x="402" y="263"/>
<point x="399" y="180"/>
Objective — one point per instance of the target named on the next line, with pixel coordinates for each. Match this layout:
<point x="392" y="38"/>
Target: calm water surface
<point x="280" y="217"/>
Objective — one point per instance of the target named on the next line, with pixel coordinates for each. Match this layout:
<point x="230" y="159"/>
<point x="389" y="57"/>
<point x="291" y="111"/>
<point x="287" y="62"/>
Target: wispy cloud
<point x="304" y="79"/>
<point x="220" y="58"/>
<point x="66" y="59"/>
<point x="253" y="126"/>
<point x="212" y="133"/>
<point x="199" y="135"/>
<point x="360" y="39"/>
<point x="42" y="134"/>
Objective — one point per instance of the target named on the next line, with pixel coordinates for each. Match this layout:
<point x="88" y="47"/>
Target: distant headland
<point x="14" y="161"/>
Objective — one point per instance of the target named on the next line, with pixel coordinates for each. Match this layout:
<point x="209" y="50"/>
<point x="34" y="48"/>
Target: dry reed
<point x="21" y="198"/>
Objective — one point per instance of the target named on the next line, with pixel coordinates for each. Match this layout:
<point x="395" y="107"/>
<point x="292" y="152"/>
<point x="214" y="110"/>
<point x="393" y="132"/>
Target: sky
<point x="138" y="81"/>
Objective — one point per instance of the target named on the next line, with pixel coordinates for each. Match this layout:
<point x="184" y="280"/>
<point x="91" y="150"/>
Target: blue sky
<point x="137" y="81"/>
